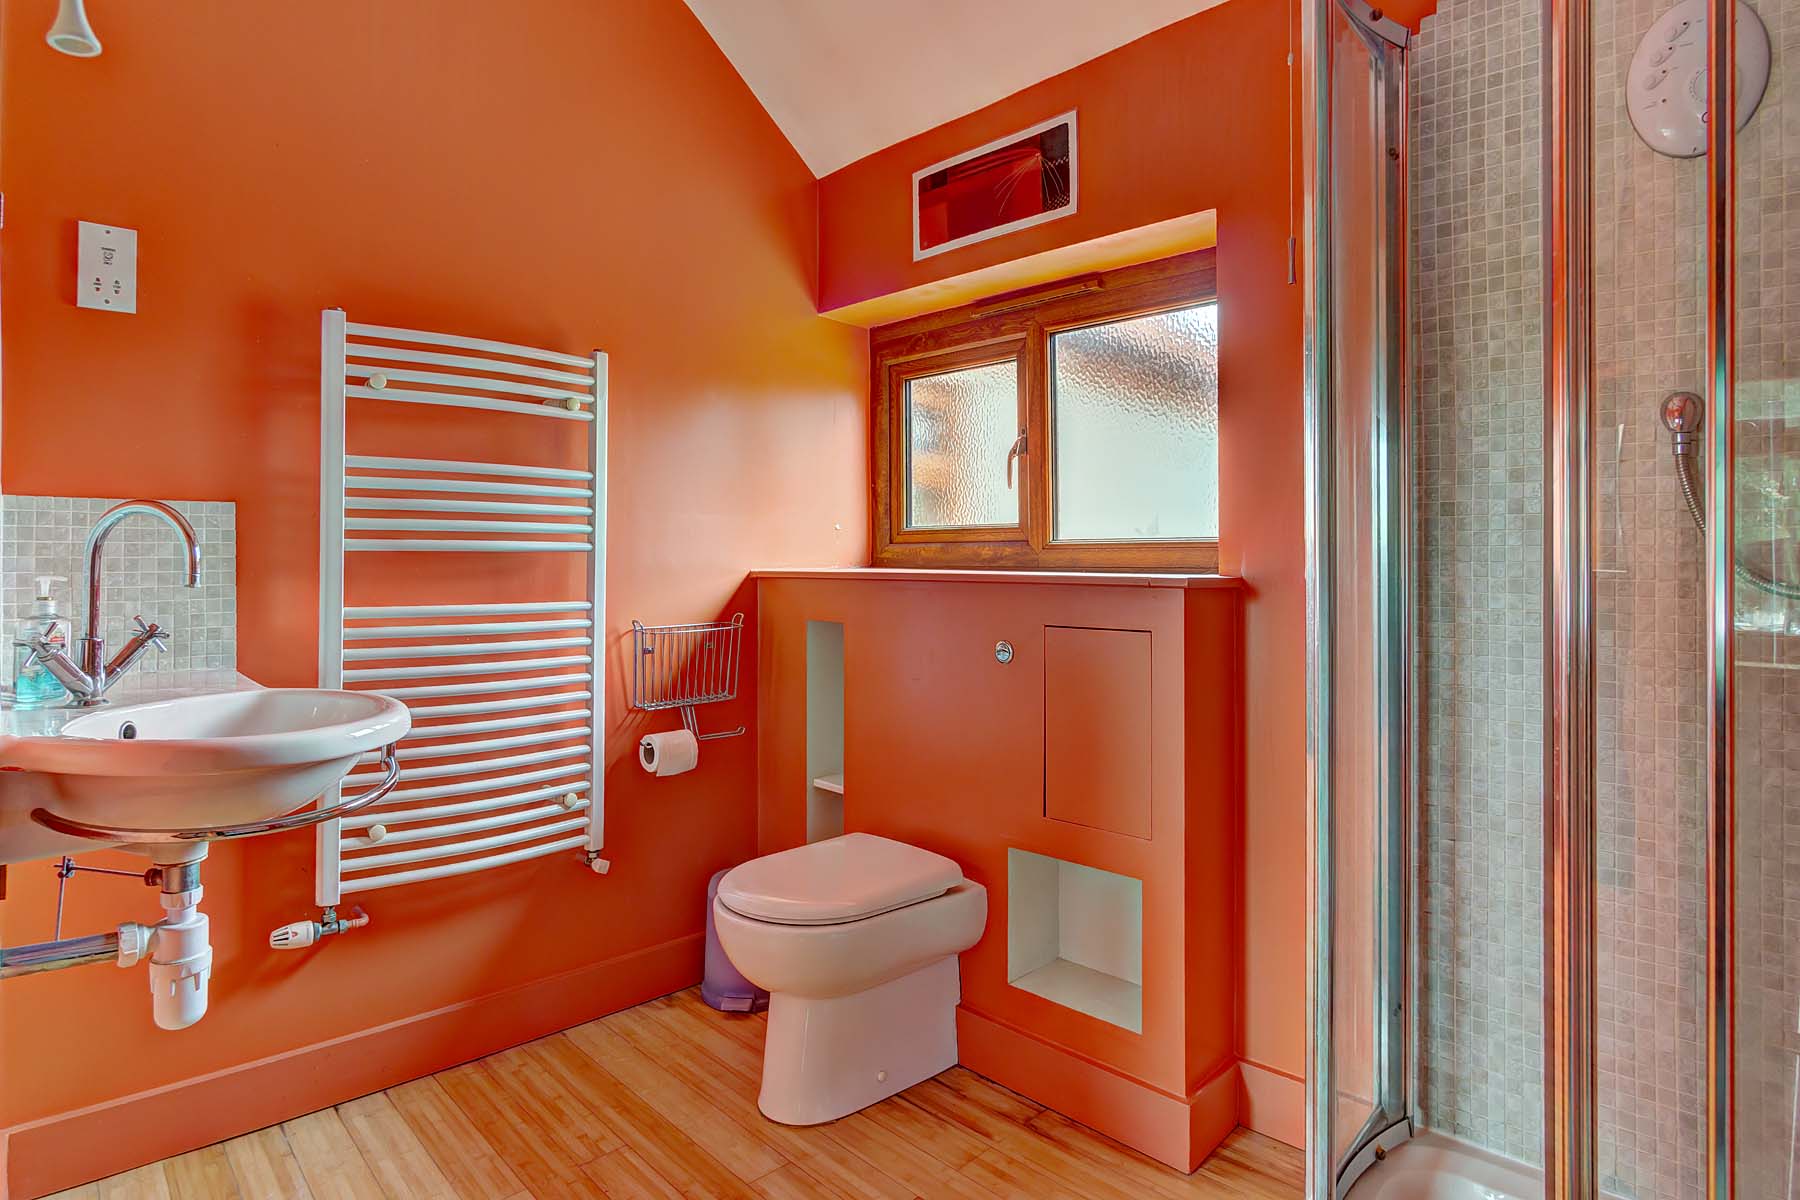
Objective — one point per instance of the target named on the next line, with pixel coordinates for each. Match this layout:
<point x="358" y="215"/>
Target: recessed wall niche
<point x="824" y="729"/>
<point x="1075" y="936"/>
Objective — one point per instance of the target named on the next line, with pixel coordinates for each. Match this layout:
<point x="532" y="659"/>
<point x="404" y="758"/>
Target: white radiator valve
<point x="301" y="934"/>
<point x="297" y="936"/>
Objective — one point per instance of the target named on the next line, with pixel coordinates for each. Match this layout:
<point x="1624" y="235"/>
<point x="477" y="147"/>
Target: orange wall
<point x="570" y="173"/>
<point x="1409" y="12"/>
<point x="1195" y="116"/>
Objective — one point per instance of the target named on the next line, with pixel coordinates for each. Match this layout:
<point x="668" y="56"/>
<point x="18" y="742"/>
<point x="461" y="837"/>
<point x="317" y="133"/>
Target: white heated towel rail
<point x="504" y="761"/>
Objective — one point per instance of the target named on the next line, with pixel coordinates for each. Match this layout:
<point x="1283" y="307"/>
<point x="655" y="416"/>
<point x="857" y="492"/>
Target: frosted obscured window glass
<point x="1134" y="410"/>
<point x="959" y="427"/>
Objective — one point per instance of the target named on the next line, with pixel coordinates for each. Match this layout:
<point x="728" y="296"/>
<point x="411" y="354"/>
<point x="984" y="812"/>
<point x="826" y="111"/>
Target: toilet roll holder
<point x="683" y="666"/>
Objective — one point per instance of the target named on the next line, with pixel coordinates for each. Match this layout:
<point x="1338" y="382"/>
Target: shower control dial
<point x="1665" y="89"/>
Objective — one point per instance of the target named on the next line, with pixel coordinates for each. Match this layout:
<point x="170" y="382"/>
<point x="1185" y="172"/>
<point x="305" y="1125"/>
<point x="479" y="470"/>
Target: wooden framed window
<point x="1073" y="426"/>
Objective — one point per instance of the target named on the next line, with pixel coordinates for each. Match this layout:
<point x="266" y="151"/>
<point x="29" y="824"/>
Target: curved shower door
<point x="1764" y="460"/>
<point x="1357" y="489"/>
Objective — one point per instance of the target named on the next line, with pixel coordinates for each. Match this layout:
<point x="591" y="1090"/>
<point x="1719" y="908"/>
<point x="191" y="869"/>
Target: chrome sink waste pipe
<point x="179" y="948"/>
<point x="54" y="956"/>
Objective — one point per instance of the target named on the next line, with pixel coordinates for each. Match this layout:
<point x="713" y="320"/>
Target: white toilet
<point x="855" y="939"/>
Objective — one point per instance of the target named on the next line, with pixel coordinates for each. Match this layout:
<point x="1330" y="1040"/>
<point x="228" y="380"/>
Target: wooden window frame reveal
<point x="1018" y="326"/>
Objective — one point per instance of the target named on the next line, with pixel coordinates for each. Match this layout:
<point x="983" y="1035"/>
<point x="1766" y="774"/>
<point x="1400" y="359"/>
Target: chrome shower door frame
<point x="1570" y="919"/>
<point x="1721" y="602"/>
<point x="1389" y="631"/>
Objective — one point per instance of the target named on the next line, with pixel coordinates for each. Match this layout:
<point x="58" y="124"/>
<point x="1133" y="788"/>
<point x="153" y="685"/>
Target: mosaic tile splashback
<point x="144" y="573"/>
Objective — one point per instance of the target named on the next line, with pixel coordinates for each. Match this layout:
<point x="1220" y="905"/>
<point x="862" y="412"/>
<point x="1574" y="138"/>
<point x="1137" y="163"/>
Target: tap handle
<point x="153" y="633"/>
<point x="40" y="645"/>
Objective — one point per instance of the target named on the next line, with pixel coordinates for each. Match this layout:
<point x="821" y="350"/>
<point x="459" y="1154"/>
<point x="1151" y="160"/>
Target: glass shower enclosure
<point x="1553" y="467"/>
<point x="1357" y="539"/>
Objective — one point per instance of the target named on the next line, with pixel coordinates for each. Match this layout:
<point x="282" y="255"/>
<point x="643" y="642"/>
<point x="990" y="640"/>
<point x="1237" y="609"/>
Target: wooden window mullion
<point x="1037" y="434"/>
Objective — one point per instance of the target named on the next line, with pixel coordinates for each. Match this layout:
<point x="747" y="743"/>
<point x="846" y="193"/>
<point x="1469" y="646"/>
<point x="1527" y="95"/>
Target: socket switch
<point x="106" y="267"/>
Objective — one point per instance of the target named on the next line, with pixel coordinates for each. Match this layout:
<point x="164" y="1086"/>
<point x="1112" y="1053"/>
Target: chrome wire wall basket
<point x="681" y="666"/>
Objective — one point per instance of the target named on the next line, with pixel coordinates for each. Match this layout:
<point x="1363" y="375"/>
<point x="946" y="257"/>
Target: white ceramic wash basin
<point x="202" y="762"/>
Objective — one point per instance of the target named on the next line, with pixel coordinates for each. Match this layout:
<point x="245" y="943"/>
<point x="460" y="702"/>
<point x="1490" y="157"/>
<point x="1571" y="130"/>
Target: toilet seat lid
<point x="840" y="879"/>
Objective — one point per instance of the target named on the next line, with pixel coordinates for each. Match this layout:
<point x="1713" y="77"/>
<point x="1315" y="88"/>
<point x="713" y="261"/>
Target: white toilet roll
<point x="669" y="753"/>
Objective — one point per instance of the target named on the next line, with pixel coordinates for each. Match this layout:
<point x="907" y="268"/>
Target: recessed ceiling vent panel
<point x="1012" y="183"/>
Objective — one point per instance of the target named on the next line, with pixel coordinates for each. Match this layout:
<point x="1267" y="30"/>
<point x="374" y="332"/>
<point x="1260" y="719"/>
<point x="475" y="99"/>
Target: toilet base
<point x="825" y="1059"/>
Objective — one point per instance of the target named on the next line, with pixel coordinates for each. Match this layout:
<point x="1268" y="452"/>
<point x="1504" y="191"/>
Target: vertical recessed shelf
<point x="1075" y="936"/>
<point x="824" y="729"/>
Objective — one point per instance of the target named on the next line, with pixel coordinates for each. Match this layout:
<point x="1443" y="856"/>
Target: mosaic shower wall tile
<point x="1478" y="389"/>
<point x="144" y="573"/>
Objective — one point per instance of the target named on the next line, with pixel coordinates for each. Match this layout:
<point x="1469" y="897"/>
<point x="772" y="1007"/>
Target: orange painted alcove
<point x="1186" y="136"/>
<point x="999" y="766"/>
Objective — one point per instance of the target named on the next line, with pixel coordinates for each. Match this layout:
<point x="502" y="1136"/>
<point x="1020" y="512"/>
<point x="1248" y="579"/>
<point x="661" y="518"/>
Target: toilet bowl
<point x="855" y="939"/>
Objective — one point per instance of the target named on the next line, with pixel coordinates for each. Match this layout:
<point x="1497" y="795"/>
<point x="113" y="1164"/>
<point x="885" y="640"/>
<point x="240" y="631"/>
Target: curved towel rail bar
<point x="459" y="649"/>
<point x="528" y="721"/>
<point x="368" y="862"/>
<point x="495" y="667"/>
<point x="445" y="378"/>
<point x="569" y="792"/>
<point x="407" y="795"/>
<point x="382" y="612"/>
<point x="399" y="483"/>
<point x="430" y="712"/>
<point x="434" y="504"/>
<point x="489" y="525"/>
<point x="481" y="766"/>
<point x="465" y="547"/>
<point x="457" y="466"/>
<point x="453" y="400"/>
<point x="364" y="883"/>
<point x="409" y="694"/>
<point x="498" y="820"/>
<point x="355" y="633"/>
<point x="493" y="366"/>
<point x="428" y="338"/>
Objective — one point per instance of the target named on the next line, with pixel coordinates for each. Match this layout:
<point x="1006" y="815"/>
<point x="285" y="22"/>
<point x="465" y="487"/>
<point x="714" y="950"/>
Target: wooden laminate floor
<point x="659" y="1103"/>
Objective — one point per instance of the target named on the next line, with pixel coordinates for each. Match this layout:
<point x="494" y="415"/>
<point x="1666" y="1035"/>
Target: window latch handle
<point x="1019" y="447"/>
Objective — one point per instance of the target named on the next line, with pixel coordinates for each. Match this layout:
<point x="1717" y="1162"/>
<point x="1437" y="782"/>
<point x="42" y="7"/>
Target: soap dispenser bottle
<point x="33" y="684"/>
